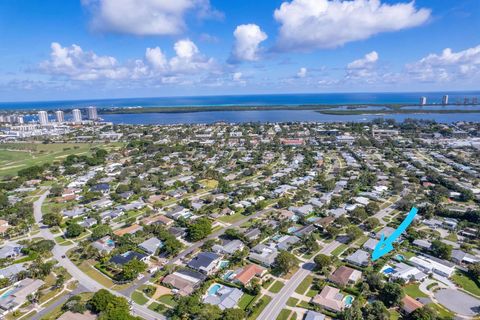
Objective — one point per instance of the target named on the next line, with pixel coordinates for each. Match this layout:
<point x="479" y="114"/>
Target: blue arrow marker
<point x="386" y="245"/>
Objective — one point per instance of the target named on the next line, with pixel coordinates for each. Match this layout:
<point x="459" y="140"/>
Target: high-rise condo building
<point x="445" y="99"/>
<point x="60" y="116"/>
<point x="77" y="115"/>
<point x="43" y="117"/>
<point x="92" y="113"/>
<point x="423" y="101"/>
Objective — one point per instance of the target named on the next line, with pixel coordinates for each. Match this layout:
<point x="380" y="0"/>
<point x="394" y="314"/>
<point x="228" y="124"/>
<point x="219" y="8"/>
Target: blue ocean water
<point x="247" y="100"/>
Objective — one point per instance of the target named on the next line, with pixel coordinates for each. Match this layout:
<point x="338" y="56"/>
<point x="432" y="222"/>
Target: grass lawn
<point x="245" y="301"/>
<point x="442" y="311"/>
<point x="168" y="300"/>
<point x="342" y="247"/>
<point x="139" y="298"/>
<point x="17" y="156"/>
<point x="394" y="315"/>
<point x="157" y="307"/>
<point x="276" y="287"/>
<point x="413" y="291"/>
<point x="284" y="314"/>
<point x="462" y="280"/>
<point x="233" y="218"/>
<point x="311" y="293"/>
<point x="304" y="285"/>
<point x="304" y="304"/>
<point x="292" y="302"/>
<point x="451" y="237"/>
<point x="261" y="304"/>
<point x="95" y="275"/>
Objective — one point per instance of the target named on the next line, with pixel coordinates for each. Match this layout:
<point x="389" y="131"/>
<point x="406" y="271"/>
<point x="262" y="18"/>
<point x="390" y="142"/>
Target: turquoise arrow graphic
<point x="384" y="246"/>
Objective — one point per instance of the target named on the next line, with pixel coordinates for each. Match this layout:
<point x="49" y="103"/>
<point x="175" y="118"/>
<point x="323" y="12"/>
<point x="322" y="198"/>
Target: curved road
<point x="87" y="282"/>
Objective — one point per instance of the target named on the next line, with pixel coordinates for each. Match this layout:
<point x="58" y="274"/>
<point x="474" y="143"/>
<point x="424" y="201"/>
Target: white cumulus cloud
<point x="312" y="24"/>
<point x="247" y="42"/>
<point x="302" y="73"/>
<point x="76" y="64"/>
<point x="448" y="65"/>
<point x="145" y="17"/>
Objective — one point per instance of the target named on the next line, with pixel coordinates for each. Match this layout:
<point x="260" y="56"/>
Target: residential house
<point x="225" y="297"/>
<point x="104" y="245"/>
<point x="10" y="250"/>
<point x="253" y="234"/>
<point x="459" y="256"/>
<point x="128" y="230"/>
<point x="12" y="271"/>
<point x="370" y="244"/>
<point x="185" y="281"/>
<point x="405" y="272"/>
<point x="124" y="258"/>
<point x="205" y="262"/>
<point x="433" y="265"/>
<point x="18" y="295"/>
<point x="313" y="315"/>
<point x="423" y="244"/>
<point x="409" y="304"/>
<point x="69" y="315"/>
<point x="248" y="273"/>
<point x="265" y="255"/>
<point x="3" y="226"/>
<point x="286" y="242"/>
<point x="344" y="276"/>
<point x="330" y="299"/>
<point x="158" y="219"/>
<point x="229" y="247"/>
<point x="151" y="245"/>
<point x="359" y="258"/>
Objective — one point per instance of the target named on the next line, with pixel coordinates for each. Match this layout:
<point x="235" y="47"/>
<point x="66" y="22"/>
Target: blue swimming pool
<point x="227" y="275"/>
<point x="400" y="257"/>
<point x="214" y="289"/>
<point x="388" y="270"/>
<point x="6" y="294"/>
<point x="348" y="300"/>
<point x="223" y="264"/>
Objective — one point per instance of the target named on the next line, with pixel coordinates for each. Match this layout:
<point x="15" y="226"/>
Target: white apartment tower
<point x="92" y="113"/>
<point x="43" y="117"/>
<point x="445" y="100"/>
<point x="77" y="115"/>
<point x="423" y="101"/>
<point x="60" y="116"/>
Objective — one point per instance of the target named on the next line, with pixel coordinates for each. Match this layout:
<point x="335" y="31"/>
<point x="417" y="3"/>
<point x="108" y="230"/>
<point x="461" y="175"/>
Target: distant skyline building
<point x="445" y="99"/>
<point x="92" y="113"/>
<point x="43" y="117"/>
<point x="423" y="101"/>
<point x="60" y="116"/>
<point x="77" y="115"/>
<point x="20" y="120"/>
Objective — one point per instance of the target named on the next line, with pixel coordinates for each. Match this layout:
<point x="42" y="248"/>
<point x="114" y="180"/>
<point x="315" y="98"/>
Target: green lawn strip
<point x="284" y="314"/>
<point x="168" y="300"/>
<point x="245" y="301"/>
<point x="96" y="275"/>
<point x="259" y="306"/>
<point x="342" y="247"/>
<point x="304" y="285"/>
<point x="276" y="287"/>
<point x="233" y="218"/>
<point x="304" y="304"/>
<point x="139" y="298"/>
<point x="158" y="307"/>
<point x="414" y="291"/>
<point x="292" y="302"/>
<point x="462" y="280"/>
<point x="311" y="293"/>
<point x="442" y="311"/>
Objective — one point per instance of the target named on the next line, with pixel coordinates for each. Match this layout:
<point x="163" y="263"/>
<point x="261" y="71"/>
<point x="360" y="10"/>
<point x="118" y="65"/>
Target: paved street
<point x="87" y="282"/>
<point x="279" y="301"/>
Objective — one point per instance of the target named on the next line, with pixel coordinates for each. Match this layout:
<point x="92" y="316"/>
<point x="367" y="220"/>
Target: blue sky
<point x="81" y="49"/>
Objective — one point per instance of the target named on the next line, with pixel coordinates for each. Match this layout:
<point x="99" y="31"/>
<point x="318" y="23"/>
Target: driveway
<point x="458" y="302"/>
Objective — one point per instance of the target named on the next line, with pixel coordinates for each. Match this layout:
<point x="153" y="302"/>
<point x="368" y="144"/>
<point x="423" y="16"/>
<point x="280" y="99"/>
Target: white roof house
<point x="430" y="265"/>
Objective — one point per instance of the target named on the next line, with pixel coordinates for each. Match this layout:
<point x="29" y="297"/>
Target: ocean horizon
<point x="291" y="99"/>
